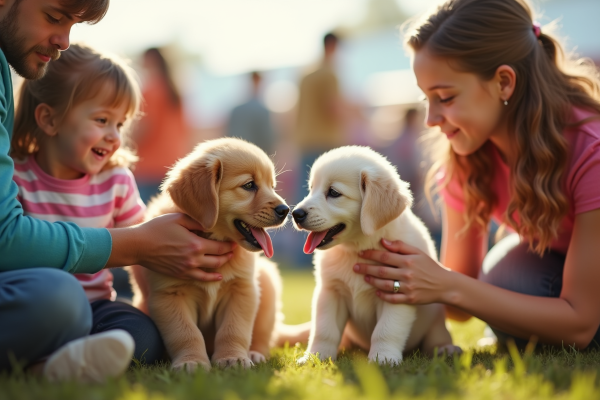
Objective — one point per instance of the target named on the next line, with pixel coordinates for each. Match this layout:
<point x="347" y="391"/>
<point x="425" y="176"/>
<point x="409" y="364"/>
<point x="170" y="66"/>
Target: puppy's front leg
<point x="438" y="337"/>
<point x="264" y="324"/>
<point x="234" y="322"/>
<point x="176" y="320"/>
<point x="391" y="332"/>
<point x="329" y="317"/>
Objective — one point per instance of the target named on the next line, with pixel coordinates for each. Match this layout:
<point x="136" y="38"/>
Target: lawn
<point x="477" y="374"/>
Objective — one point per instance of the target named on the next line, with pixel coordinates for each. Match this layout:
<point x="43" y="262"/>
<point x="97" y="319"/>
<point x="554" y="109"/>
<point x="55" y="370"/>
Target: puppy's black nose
<point x="299" y="215"/>
<point x="282" y="210"/>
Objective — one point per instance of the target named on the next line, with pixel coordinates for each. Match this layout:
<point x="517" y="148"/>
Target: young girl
<point x="70" y="166"/>
<point x="522" y="139"/>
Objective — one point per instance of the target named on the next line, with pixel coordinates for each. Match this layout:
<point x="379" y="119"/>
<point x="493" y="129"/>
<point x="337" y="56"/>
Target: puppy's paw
<point x="230" y="362"/>
<point x="304" y="359"/>
<point x="309" y="356"/>
<point x="257" y="357"/>
<point x="322" y="351"/>
<point x="449" y="350"/>
<point x="190" y="366"/>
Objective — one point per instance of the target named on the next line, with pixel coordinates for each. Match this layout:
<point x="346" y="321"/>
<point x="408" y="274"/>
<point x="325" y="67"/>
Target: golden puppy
<point x="227" y="185"/>
<point x="357" y="198"/>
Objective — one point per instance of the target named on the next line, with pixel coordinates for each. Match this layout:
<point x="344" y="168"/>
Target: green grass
<point x="477" y="374"/>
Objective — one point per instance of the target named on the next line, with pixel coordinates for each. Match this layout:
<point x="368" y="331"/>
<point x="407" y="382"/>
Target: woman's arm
<point x="461" y="251"/>
<point x="572" y="318"/>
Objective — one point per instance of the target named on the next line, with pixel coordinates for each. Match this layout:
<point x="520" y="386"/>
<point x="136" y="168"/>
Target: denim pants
<point x="107" y="315"/>
<point x="42" y="309"/>
<point x="510" y="265"/>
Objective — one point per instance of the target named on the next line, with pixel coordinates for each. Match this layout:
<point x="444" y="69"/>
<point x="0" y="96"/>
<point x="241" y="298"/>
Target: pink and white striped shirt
<point x="106" y="200"/>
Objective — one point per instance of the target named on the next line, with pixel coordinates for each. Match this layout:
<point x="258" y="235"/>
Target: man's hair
<point x="478" y="36"/>
<point x="90" y="11"/>
<point x="330" y="38"/>
<point x="411" y="113"/>
<point x="80" y="74"/>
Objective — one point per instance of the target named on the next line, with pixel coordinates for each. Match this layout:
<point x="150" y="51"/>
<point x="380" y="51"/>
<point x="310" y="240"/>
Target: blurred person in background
<point x="162" y="135"/>
<point x="251" y="120"/>
<point x="320" y="124"/>
<point x="406" y="153"/>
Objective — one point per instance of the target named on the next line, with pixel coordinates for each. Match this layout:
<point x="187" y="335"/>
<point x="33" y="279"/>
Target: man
<point x="44" y="311"/>
<point x="320" y="119"/>
<point x="319" y="125"/>
<point x="251" y="121"/>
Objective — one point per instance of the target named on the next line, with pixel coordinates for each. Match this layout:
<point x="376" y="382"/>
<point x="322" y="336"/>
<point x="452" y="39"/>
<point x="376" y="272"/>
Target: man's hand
<point x="166" y="245"/>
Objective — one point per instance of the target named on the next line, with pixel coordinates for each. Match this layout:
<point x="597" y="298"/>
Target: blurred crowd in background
<point x="334" y="82"/>
<point x="321" y="119"/>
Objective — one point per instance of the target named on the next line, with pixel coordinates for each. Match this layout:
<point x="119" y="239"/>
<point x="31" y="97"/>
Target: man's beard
<point x="13" y="47"/>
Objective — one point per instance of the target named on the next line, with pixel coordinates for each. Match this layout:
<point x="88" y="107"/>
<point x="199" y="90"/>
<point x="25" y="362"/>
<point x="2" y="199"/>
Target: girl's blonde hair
<point x="78" y="75"/>
<point x="478" y="36"/>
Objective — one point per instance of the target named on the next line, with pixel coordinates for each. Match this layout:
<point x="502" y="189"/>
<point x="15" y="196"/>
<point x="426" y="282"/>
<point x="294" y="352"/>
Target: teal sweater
<point x="27" y="242"/>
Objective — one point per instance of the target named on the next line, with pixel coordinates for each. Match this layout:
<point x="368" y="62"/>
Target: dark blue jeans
<point x="108" y="315"/>
<point x="42" y="309"/>
<point x="510" y="265"/>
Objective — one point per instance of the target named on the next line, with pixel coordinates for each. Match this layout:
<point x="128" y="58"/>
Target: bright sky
<point x="233" y="36"/>
<point x="230" y="35"/>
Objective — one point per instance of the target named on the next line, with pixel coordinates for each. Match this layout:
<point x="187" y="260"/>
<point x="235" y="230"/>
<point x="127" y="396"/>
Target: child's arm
<point x="130" y="209"/>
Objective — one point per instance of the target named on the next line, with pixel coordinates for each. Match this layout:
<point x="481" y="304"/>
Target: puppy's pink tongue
<point x="313" y="240"/>
<point x="264" y="240"/>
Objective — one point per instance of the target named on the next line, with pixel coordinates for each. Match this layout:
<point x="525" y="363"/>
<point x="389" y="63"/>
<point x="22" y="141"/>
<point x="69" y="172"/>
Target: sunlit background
<point x="217" y="41"/>
<point x="213" y="45"/>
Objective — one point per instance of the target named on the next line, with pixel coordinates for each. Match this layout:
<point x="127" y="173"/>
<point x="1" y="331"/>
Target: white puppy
<point x="357" y="198"/>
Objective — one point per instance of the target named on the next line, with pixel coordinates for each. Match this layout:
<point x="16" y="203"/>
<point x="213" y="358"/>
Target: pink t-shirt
<point x="582" y="185"/>
<point x="106" y="200"/>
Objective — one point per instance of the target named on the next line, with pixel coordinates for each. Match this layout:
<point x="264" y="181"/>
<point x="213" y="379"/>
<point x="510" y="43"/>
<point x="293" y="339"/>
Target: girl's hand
<point x="166" y="245"/>
<point x="422" y="280"/>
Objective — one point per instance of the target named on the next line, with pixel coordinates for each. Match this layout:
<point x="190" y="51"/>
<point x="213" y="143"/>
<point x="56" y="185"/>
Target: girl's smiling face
<point x="85" y="140"/>
<point x="467" y="109"/>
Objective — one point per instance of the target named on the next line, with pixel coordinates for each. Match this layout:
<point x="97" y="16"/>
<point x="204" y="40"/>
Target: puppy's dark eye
<point x="333" y="193"/>
<point x="249" y="186"/>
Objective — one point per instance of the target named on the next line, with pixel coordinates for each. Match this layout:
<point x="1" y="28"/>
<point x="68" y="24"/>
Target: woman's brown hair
<point x="478" y="36"/>
<point x="78" y="75"/>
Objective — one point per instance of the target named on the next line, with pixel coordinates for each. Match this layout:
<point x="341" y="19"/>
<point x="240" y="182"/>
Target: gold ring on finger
<point x="396" y="286"/>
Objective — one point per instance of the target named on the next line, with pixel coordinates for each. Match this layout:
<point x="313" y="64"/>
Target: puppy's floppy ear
<point x="384" y="197"/>
<point x="195" y="188"/>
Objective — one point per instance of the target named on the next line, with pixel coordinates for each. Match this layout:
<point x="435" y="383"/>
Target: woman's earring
<point x="505" y="102"/>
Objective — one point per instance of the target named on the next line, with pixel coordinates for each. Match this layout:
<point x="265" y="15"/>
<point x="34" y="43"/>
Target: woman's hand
<point x="422" y="280"/>
<point x="166" y="245"/>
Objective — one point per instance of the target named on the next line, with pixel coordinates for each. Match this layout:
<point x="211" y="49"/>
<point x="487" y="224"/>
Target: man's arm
<point x="27" y="242"/>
